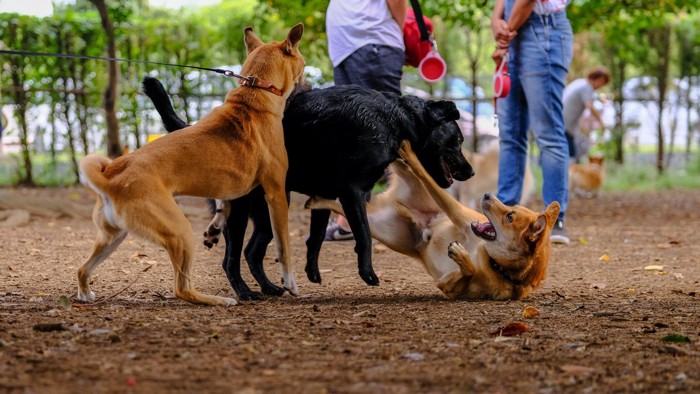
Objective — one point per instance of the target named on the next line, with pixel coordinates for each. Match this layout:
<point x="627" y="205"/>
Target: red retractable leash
<point x="501" y="86"/>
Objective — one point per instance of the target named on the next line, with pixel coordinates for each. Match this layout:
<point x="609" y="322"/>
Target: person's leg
<point x="571" y="142"/>
<point x="547" y="53"/>
<point x="513" y="128"/>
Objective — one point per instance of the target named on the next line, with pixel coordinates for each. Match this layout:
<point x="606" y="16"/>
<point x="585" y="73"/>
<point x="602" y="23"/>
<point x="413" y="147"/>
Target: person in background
<point x="578" y="96"/>
<point x="365" y="45"/>
<point x="538" y="39"/>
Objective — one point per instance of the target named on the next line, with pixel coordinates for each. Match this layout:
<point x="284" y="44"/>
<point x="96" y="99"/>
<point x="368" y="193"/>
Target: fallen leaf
<point x="605" y="258"/>
<point x="576" y="369"/>
<point x="654" y="268"/>
<point x="511" y="329"/>
<point x="582" y="241"/>
<point x="530" y="312"/>
<point x="139" y="255"/>
<point x="676" y="338"/>
<point x="65" y="303"/>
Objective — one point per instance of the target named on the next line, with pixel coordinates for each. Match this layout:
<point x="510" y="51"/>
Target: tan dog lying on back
<point x="501" y="254"/>
<point x="234" y="148"/>
<point x="586" y="180"/>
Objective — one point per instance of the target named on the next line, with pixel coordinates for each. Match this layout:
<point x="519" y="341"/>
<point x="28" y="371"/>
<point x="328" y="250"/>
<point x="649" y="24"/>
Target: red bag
<point x="416" y="49"/>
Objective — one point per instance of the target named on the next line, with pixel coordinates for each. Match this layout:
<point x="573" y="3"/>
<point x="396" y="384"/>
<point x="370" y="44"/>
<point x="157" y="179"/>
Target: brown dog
<point x="234" y="148"/>
<point x="502" y="254"/>
<point x="586" y="180"/>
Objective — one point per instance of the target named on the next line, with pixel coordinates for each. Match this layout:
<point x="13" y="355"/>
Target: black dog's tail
<point x="156" y="92"/>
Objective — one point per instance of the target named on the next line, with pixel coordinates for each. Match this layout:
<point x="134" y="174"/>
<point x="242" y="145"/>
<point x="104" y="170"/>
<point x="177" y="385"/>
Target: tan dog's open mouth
<point x="484" y="230"/>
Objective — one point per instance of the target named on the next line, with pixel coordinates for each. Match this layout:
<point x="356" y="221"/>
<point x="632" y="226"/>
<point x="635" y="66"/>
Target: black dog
<point x="339" y="141"/>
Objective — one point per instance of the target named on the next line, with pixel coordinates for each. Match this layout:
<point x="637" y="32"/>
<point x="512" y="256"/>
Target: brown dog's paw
<point x="455" y="250"/>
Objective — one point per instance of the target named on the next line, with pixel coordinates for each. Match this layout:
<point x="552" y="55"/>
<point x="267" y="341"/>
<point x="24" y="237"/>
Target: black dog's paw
<point x="250" y="295"/>
<point x="370" y="277"/>
<point x="313" y="274"/>
<point x="272" y="290"/>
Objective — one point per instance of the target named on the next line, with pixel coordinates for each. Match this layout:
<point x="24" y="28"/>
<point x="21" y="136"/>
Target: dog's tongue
<point x="485" y="227"/>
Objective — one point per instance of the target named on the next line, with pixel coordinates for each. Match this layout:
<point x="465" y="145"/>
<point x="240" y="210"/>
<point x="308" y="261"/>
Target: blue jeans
<point x="377" y="67"/>
<point x="539" y="58"/>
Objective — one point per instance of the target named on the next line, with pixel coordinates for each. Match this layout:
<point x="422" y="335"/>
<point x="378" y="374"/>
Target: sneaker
<point x="334" y="232"/>
<point x="559" y="234"/>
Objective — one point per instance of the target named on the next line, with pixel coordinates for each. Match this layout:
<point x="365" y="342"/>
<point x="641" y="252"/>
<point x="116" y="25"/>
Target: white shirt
<point x="352" y="24"/>
<point x="548" y="7"/>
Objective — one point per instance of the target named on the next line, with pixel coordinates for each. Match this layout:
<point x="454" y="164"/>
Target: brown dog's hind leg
<point x="107" y="241"/>
<point x="160" y="220"/>
<point x="452" y="208"/>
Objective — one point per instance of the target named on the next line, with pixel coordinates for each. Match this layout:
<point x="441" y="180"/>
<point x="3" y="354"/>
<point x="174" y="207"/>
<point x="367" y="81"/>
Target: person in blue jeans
<point x="365" y="45"/>
<point x="538" y="39"/>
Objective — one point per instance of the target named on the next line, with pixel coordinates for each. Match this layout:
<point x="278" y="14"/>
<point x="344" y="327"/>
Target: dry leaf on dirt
<point x="654" y="268"/>
<point x="576" y="369"/>
<point x="605" y="258"/>
<point x="530" y="312"/>
<point x="511" y="329"/>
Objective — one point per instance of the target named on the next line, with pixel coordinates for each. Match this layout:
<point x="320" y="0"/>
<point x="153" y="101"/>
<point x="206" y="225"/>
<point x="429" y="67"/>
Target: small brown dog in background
<point x="585" y="180"/>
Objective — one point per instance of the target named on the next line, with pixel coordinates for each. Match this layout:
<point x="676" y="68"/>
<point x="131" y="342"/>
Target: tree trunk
<point x="111" y="93"/>
<point x="662" y="40"/>
<point x="20" y="96"/>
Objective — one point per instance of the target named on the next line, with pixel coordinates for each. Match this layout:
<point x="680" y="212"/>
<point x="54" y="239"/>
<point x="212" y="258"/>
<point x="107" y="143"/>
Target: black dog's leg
<point x="356" y="213"/>
<point x="257" y="245"/>
<point x="317" y="231"/>
<point x="234" y="232"/>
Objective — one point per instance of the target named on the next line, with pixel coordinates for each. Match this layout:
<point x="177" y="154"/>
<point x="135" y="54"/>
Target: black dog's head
<point x="438" y="142"/>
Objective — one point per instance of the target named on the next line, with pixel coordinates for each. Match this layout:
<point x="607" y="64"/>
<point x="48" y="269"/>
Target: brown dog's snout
<point x="488" y="196"/>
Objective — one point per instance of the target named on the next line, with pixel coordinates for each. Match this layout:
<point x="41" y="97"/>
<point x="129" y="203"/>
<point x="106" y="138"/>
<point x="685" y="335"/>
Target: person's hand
<point x="498" y="55"/>
<point x="502" y="33"/>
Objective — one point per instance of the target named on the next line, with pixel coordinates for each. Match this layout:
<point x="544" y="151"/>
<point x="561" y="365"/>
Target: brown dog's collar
<point x="260" y="84"/>
<point x="504" y="273"/>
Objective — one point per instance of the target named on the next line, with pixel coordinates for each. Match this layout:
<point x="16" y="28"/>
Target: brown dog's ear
<point x="251" y="40"/>
<point x="544" y="221"/>
<point x="293" y="38"/>
<point x="537" y="229"/>
<point x="552" y="212"/>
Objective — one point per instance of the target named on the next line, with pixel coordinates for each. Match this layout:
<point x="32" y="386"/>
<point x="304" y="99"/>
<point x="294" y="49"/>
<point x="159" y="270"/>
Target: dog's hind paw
<point x="251" y="295"/>
<point x="370" y="277"/>
<point x="85" y="296"/>
<point x="211" y="236"/>
<point x="290" y="283"/>
<point x="229" y="301"/>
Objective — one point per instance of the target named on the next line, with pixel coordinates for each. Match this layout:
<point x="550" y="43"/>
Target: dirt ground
<point x="604" y="309"/>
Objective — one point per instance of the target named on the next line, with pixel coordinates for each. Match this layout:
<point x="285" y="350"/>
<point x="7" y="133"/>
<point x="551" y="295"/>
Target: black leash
<point x="248" y="81"/>
<point x="68" y="56"/>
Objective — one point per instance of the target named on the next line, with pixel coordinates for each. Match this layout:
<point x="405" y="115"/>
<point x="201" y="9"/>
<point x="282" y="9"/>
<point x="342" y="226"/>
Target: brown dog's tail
<point x="92" y="173"/>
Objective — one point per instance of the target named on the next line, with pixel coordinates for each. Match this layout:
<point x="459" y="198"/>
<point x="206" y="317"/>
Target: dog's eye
<point x="509" y="217"/>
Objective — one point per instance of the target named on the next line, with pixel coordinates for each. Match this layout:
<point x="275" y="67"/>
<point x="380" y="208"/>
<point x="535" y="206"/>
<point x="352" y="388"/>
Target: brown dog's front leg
<point x="277" y="201"/>
<point x="461" y="256"/>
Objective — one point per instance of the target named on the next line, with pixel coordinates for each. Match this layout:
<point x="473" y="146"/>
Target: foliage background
<point x="57" y="103"/>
